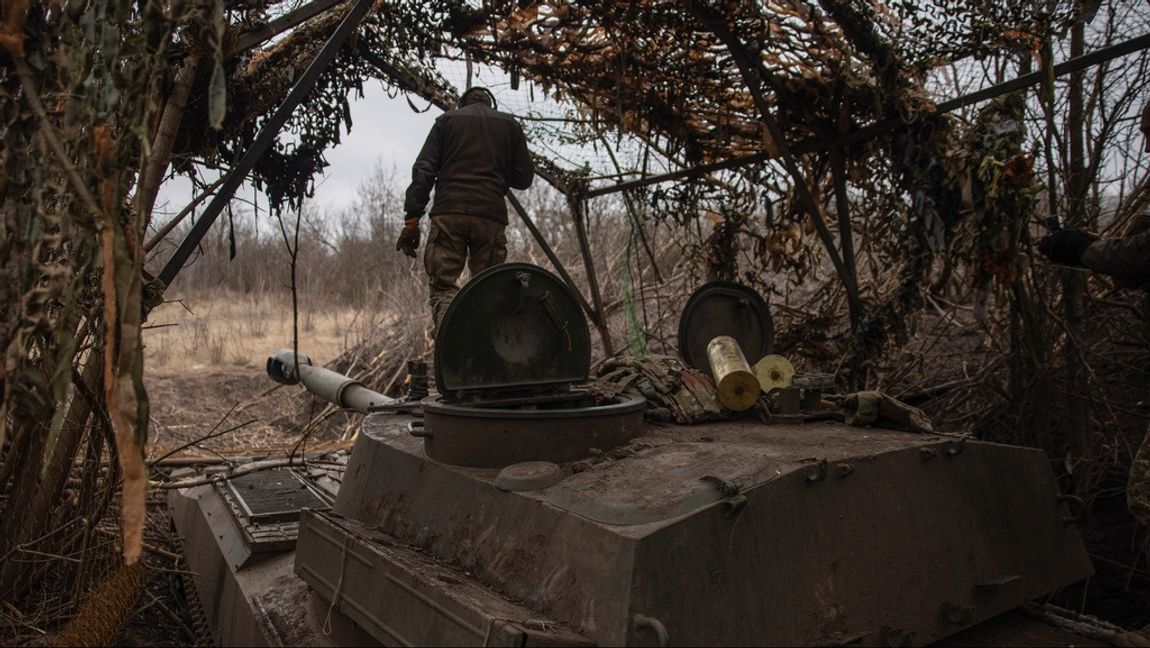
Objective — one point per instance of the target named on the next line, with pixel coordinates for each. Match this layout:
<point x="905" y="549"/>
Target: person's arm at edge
<point x="1118" y="256"/>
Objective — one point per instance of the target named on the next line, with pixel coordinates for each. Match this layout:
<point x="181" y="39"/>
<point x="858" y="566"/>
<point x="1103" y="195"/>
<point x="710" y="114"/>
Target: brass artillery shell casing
<point x="774" y="372"/>
<point x="737" y="386"/>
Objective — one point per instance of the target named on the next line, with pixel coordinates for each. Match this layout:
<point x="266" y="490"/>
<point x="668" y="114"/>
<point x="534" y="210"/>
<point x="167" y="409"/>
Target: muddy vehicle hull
<point x="720" y="534"/>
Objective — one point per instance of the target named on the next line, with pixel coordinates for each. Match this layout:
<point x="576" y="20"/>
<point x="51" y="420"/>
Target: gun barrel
<point x="288" y="368"/>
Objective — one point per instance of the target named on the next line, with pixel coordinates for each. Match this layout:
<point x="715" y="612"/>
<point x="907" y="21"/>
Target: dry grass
<point x="204" y="368"/>
<point x="209" y="331"/>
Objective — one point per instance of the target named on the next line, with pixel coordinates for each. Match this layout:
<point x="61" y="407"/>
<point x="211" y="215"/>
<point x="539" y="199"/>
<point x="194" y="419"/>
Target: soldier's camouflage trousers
<point x="456" y="239"/>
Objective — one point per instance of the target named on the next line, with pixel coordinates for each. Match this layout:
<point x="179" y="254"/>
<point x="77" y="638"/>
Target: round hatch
<point x="725" y="308"/>
<point x="513" y="326"/>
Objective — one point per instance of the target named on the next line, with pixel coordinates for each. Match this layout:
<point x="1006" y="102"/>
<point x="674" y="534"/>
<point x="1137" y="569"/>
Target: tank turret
<point x="523" y="509"/>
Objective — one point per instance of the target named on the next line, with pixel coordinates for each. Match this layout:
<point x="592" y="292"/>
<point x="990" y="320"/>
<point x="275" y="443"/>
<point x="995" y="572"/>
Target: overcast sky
<point x="384" y="131"/>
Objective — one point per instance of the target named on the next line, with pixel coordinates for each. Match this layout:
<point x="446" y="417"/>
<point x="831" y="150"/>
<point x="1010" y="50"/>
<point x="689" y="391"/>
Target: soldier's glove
<point x="1066" y="246"/>
<point x="408" y="241"/>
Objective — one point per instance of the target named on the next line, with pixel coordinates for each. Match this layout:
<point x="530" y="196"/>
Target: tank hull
<point x="733" y="533"/>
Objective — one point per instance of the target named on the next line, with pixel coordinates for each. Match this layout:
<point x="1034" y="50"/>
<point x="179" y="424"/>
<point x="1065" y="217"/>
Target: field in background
<point x="204" y="368"/>
<point x="207" y="331"/>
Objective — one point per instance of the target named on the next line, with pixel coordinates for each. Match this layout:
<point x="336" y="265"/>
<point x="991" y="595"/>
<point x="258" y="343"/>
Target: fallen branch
<point x="212" y="434"/>
<point x="163" y="553"/>
<point x="244" y="470"/>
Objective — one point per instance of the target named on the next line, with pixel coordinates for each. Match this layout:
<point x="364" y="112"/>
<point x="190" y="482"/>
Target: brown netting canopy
<point x="692" y="81"/>
<point x="682" y="76"/>
<point x="757" y="105"/>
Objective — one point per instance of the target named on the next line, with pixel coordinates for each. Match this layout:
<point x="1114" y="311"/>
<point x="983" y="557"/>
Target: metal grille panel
<point x="274" y="495"/>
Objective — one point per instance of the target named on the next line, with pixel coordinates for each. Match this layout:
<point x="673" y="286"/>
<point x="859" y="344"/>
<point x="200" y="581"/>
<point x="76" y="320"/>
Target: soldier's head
<point x="477" y="94"/>
<point x="1146" y="125"/>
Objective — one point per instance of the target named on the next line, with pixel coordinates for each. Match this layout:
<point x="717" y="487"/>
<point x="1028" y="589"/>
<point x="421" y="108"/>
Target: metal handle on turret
<point x="656" y="626"/>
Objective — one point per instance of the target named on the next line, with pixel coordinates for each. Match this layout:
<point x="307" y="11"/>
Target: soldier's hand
<point x="1066" y="246"/>
<point x="408" y="241"/>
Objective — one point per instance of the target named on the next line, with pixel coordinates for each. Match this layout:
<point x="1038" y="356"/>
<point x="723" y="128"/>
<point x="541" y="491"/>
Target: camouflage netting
<point x="661" y="72"/>
<point x="674" y="85"/>
<point x="849" y="240"/>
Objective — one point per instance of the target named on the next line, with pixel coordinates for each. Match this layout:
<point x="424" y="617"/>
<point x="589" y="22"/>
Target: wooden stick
<point x="244" y="470"/>
<point x="163" y="553"/>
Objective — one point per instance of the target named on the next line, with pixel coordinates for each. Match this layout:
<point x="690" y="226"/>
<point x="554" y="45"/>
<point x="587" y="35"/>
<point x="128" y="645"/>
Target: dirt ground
<point x="236" y="411"/>
<point x="187" y="406"/>
<point x="206" y="380"/>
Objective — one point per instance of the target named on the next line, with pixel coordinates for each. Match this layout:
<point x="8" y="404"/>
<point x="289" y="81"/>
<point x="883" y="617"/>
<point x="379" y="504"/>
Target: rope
<point x="326" y="629"/>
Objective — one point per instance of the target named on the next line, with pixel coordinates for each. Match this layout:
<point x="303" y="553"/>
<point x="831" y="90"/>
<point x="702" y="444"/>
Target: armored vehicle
<point x="523" y="509"/>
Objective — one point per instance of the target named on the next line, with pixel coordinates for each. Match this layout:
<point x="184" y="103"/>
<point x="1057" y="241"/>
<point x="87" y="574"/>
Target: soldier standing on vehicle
<point x="1128" y="260"/>
<point x="471" y="157"/>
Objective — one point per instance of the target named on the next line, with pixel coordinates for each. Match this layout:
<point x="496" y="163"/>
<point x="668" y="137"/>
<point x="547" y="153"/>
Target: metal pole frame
<point x="285" y="22"/>
<point x="578" y="204"/>
<point x="753" y="75"/>
<point x="264" y="139"/>
<point x="550" y="253"/>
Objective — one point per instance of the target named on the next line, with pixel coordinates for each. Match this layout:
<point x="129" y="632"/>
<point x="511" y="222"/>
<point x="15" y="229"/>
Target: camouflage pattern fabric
<point x="456" y="239"/>
<point x="674" y="392"/>
<point x="1127" y="259"/>
<point x="876" y="408"/>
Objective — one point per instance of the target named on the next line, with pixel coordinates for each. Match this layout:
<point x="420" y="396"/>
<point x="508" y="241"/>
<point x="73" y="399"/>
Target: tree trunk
<point x="1073" y="281"/>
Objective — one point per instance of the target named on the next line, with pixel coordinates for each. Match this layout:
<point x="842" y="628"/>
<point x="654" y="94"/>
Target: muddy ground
<point x="228" y="410"/>
<point x="234" y="411"/>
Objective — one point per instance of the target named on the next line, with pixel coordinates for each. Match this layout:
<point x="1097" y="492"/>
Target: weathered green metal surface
<point x="403" y="597"/>
<point x="740" y="533"/>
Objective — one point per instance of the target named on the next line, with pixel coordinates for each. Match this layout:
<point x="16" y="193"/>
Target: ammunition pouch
<point x="674" y="392"/>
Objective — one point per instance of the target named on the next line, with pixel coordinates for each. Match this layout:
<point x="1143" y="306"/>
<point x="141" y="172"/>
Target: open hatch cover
<point x="724" y="308"/>
<point x="514" y="326"/>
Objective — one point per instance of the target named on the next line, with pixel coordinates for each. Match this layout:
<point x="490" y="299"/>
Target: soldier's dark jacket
<point x="471" y="156"/>
<point x="1127" y="258"/>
